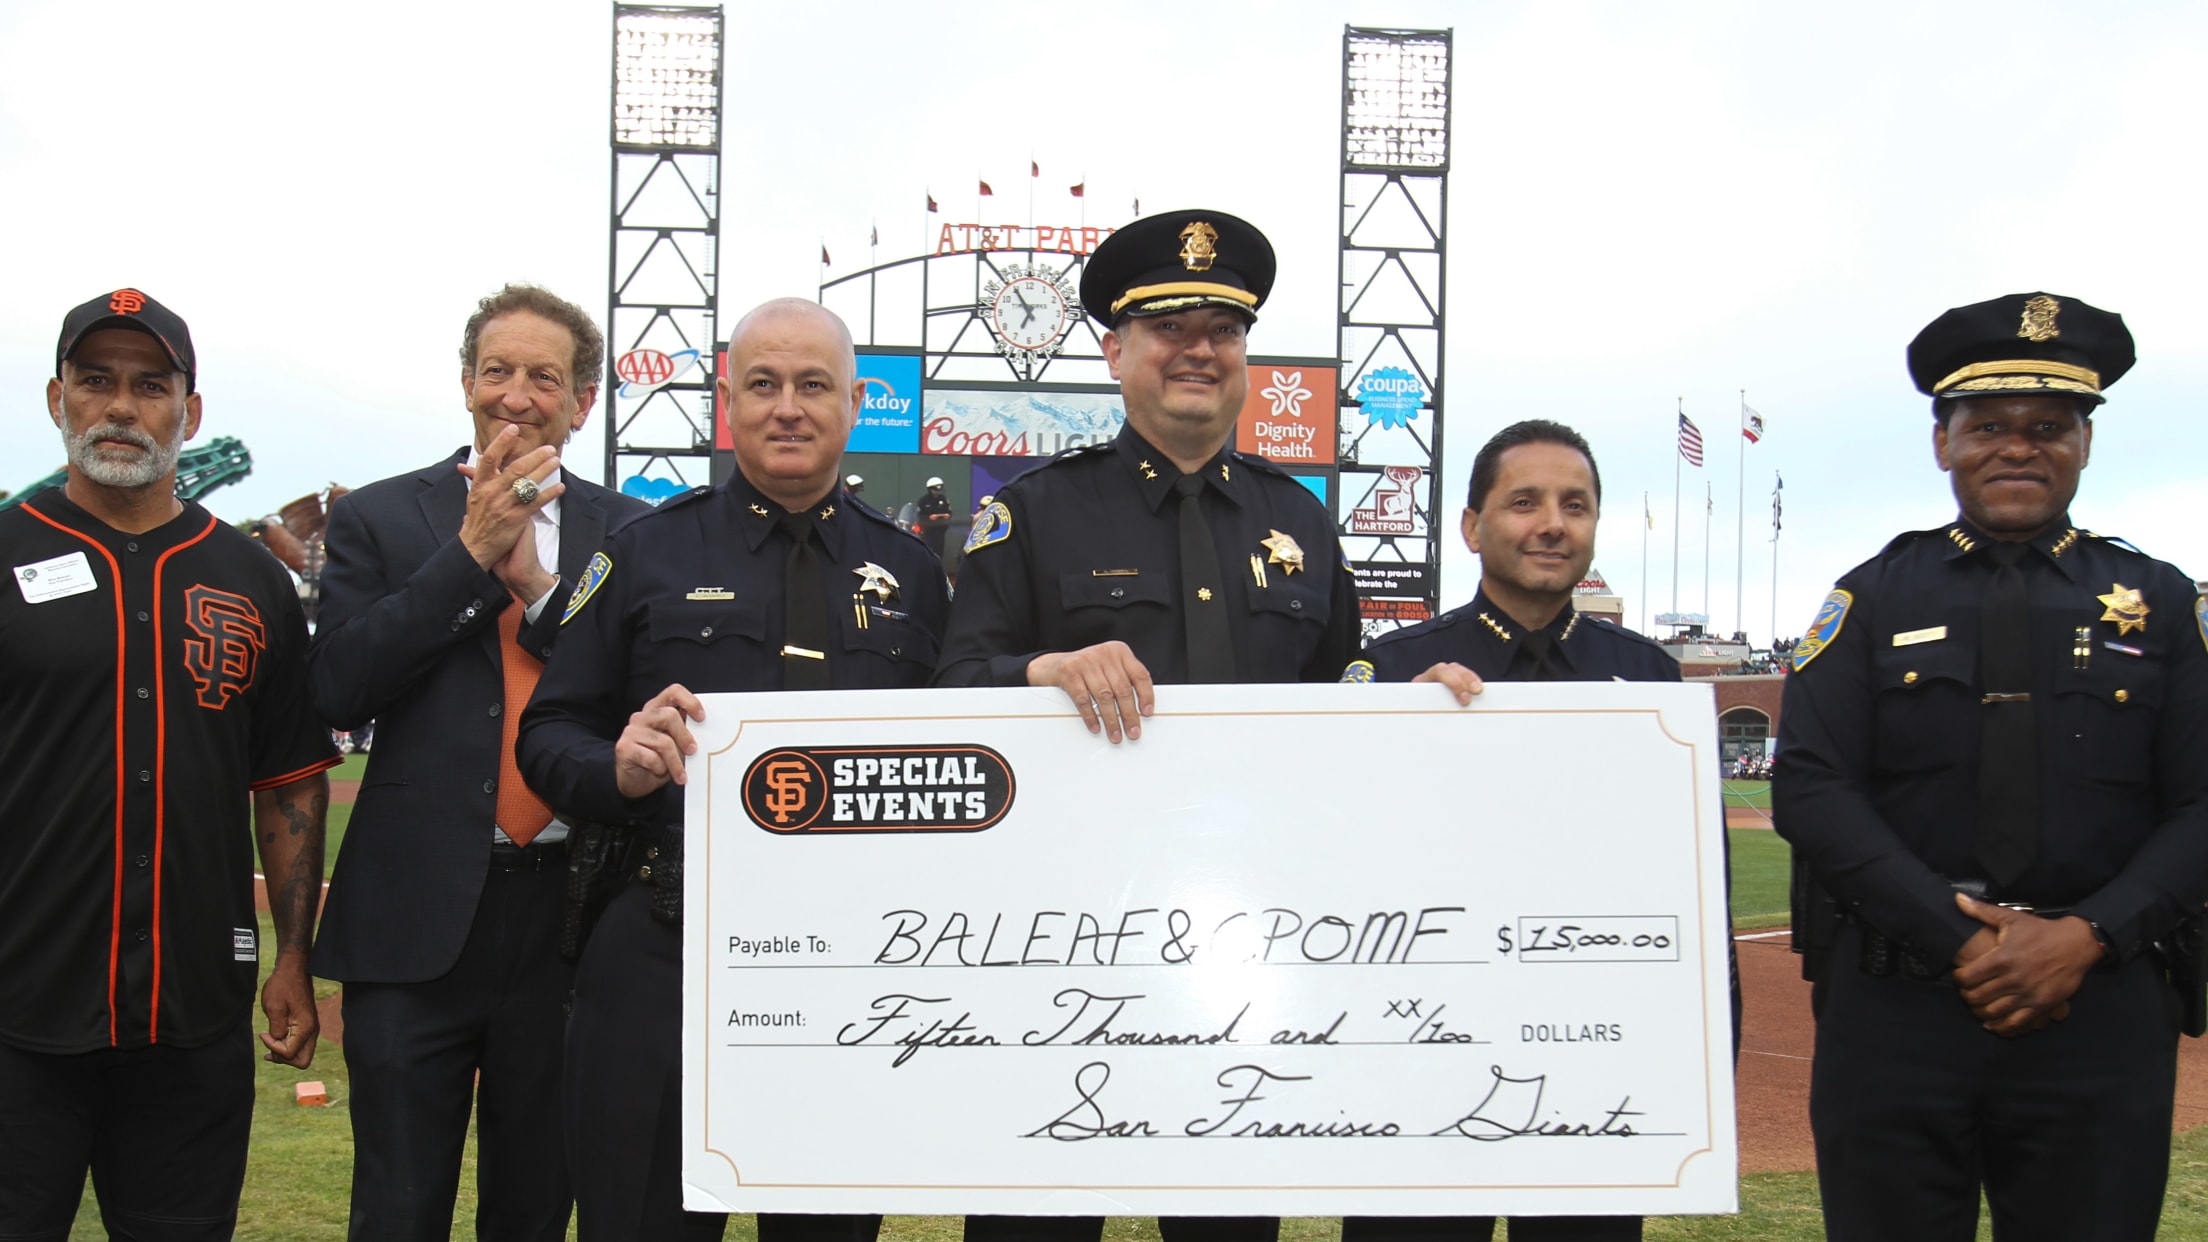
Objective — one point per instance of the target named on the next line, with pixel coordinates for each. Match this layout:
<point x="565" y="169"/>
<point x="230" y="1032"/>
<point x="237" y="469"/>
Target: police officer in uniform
<point x="1991" y="758"/>
<point x="1163" y="556"/>
<point x="935" y="515"/>
<point x="773" y="580"/>
<point x="1530" y="515"/>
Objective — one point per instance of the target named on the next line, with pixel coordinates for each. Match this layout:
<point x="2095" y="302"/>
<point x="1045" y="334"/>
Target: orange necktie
<point x="520" y="812"/>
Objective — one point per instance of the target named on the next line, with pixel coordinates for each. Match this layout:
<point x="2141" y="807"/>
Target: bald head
<point x="777" y="311"/>
<point x="792" y="396"/>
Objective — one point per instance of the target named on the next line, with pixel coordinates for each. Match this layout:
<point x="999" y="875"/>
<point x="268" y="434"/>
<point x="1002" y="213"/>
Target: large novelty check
<point x="1300" y="950"/>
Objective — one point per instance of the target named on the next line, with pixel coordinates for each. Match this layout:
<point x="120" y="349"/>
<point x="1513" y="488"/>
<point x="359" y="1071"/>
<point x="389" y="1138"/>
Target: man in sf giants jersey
<point x="151" y="689"/>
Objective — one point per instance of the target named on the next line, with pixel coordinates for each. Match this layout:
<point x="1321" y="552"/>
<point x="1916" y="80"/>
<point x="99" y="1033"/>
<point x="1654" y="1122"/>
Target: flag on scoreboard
<point x="1034" y="169"/>
<point x="931" y="203"/>
<point x="1080" y="190"/>
<point x="1690" y="441"/>
<point x="986" y="190"/>
<point x="1751" y="424"/>
<point x="824" y="260"/>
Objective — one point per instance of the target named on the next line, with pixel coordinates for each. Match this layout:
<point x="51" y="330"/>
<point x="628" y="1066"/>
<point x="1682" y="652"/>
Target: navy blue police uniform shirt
<point x="149" y="684"/>
<point x="1085" y="549"/>
<point x="692" y="593"/>
<point x="1483" y="638"/>
<point x="1876" y="781"/>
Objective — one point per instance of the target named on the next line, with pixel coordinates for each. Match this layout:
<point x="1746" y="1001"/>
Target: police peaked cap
<point x="2022" y="345"/>
<point x="1176" y="261"/>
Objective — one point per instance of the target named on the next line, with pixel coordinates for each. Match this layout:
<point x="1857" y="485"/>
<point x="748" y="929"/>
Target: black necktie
<point x="2008" y="776"/>
<point x="1203" y="591"/>
<point x="1536" y="648"/>
<point x="804" y="610"/>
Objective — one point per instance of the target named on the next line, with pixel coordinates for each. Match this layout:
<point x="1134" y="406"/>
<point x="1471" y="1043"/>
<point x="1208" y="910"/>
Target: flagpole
<point x="1676" y="458"/>
<point x="1740" y="527"/>
<point x="1778" y="483"/>
<point x="1709" y="510"/>
<point x="1034" y="174"/>
<point x="1647" y="523"/>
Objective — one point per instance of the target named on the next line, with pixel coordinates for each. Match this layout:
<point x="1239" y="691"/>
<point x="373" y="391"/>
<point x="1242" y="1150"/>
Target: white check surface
<point x="1305" y="950"/>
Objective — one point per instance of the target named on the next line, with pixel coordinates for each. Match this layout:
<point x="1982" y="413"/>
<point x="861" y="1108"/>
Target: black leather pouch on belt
<point x="2182" y="953"/>
<point x="595" y="854"/>
<point x="667" y="875"/>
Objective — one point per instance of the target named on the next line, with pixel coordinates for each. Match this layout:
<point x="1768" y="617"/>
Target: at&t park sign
<point x="1054" y="238"/>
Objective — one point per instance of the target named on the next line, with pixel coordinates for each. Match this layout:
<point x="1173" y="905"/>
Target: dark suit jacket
<point x="408" y="637"/>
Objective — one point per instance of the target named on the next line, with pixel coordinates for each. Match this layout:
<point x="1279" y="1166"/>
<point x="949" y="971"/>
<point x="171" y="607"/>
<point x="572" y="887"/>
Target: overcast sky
<point x="1648" y="202"/>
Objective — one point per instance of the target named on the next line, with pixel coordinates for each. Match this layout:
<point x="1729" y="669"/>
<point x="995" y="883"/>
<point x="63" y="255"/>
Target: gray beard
<point x="143" y="471"/>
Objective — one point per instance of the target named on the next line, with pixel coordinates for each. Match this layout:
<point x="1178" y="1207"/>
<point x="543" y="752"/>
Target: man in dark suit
<point x="440" y="601"/>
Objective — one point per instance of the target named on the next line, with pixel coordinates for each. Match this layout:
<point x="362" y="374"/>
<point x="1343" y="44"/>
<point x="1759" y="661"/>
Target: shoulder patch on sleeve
<point x="593" y="577"/>
<point x="1826" y="627"/>
<point x="994" y="525"/>
<point x="1359" y="672"/>
<point x="2200" y="615"/>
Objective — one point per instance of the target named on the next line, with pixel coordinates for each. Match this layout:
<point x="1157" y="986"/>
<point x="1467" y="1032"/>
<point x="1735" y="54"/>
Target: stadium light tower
<point x="663" y="255"/>
<point x="1390" y="334"/>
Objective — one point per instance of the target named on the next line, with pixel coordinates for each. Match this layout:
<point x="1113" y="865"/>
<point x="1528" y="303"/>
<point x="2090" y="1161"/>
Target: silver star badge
<point x="878" y="580"/>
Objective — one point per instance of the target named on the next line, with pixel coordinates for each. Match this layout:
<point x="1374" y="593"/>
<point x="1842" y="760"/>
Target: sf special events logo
<point x="809" y="789"/>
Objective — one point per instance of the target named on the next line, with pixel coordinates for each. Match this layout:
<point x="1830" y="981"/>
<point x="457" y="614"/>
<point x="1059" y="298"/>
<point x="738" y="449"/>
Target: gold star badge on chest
<point x="2127" y="608"/>
<point x="873" y="578"/>
<point x="1285" y="552"/>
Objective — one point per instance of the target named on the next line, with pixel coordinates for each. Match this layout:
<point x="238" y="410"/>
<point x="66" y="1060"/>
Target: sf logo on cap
<point x="126" y="301"/>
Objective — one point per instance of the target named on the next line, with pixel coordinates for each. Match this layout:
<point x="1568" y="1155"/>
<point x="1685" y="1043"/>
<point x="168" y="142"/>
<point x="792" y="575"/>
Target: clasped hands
<point x="2019" y="971"/>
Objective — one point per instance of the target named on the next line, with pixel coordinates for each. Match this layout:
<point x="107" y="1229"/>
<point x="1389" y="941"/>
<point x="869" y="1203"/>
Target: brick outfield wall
<point x="1760" y="692"/>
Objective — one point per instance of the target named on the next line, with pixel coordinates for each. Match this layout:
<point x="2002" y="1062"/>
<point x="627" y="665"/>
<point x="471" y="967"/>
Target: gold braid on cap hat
<point x="2050" y="371"/>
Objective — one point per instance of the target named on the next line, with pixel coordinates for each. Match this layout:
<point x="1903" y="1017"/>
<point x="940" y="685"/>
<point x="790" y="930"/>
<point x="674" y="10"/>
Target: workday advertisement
<point x="889" y="416"/>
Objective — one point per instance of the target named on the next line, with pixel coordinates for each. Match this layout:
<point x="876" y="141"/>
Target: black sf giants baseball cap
<point x="129" y="308"/>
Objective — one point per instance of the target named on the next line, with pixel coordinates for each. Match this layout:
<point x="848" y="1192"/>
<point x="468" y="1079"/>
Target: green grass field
<point x="298" y="1180"/>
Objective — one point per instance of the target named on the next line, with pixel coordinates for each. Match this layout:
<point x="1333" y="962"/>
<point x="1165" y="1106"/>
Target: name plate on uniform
<point x="1300" y="950"/>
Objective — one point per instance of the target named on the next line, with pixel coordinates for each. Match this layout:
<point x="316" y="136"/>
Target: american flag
<point x="1751" y="424"/>
<point x="1690" y="441"/>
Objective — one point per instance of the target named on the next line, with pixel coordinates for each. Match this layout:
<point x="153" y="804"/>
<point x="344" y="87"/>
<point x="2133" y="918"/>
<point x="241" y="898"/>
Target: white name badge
<point x="1305" y="950"/>
<point x="54" y="579"/>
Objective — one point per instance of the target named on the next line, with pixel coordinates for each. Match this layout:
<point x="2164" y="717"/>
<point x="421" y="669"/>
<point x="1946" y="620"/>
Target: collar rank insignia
<point x="1148" y="471"/>
<point x="2127" y="608"/>
<point x="1199" y="246"/>
<point x="1284" y="552"/>
<point x="873" y="578"/>
<point x="760" y="510"/>
<point x="827" y="513"/>
<point x="1494" y="627"/>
